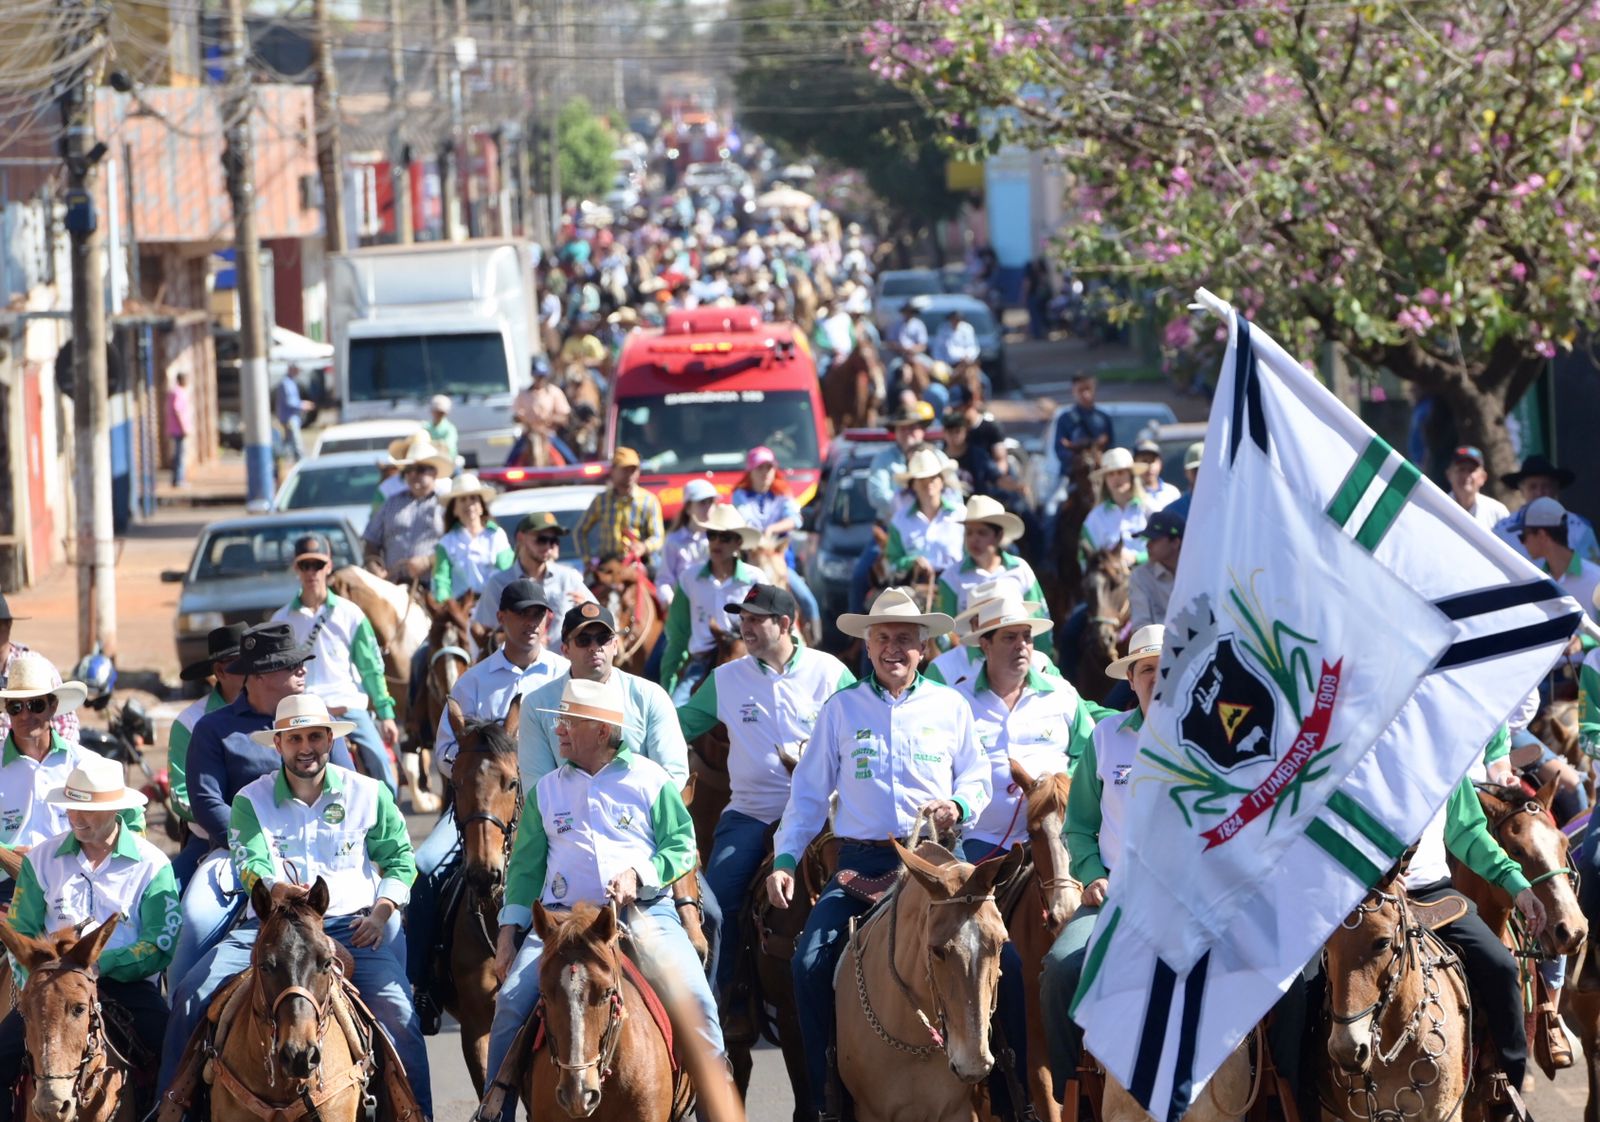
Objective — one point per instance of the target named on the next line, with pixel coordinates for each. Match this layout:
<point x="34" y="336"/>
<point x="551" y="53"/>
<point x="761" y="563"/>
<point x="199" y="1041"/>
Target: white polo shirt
<point x="961" y="663"/>
<point x="704" y="598"/>
<point x="1116" y="747"/>
<point x="485" y="691"/>
<point x="1579" y="582"/>
<point x="1109" y="524"/>
<point x="332" y="675"/>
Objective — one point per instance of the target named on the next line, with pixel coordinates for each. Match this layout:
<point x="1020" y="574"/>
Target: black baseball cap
<point x="767" y="600"/>
<point x="585" y="614"/>
<point x="520" y="595"/>
<point x="314" y="546"/>
<point x="1164" y="524"/>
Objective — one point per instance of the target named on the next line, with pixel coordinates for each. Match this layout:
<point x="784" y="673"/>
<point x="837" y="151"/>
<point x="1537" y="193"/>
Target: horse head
<point x="1525" y="829"/>
<point x="580" y="978"/>
<point x="1366" y="963"/>
<point x="60" y="1006"/>
<point x="293" y="965"/>
<point x="963" y="933"/>
<point x="1046" y="810"/>
<point x="487" y="791"/>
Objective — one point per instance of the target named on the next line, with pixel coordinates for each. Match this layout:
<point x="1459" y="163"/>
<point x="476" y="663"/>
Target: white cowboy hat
<point x="423" y="452"/>
<point x="1146" y="643"/>
<point x="467" y="484"/>
<point x="723" y="518"/>
<point x="925" y="463"/>
<point x="977" y="597"/>
<point x="981" y="508"/>
<point x="95" y="784"/>
<point x="1009" y="610"/>
<point x="593" y="701"/>
<point x="1117" y="459"/>
<point x="33" y="676"/>
<point x="858" y="303"/>
<point x="894" y="605"/>
<point x="302" y="711"/>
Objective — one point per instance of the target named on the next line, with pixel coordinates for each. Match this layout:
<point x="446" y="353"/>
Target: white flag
<point x="1342" y="642"/>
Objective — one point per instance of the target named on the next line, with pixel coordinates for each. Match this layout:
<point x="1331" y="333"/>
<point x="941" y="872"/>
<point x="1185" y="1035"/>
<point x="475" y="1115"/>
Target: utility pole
<point x="460" y="221"/>
<point x="449" y="194"/>
<point x="330" y="153"/>
<point x="96" y="547"/>
<point x="399" y="157"/>
<point x="238" y="163"/>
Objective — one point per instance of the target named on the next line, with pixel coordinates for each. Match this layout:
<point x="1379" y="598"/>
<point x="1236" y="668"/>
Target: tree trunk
<point x="1480" y="416"/>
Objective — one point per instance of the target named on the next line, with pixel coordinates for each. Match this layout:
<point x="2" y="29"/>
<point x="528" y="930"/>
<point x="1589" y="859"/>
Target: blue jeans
<point x="1058" y="985"/>
<point x="422" y="913"/>
<point x="188" y="860"/>
<point x="663" y="953"/>
<point x="211" y="903"/>
<point x="1587" y="861"/>
<point x="737" y="849"/>
<point x="1012" y="1009"/>
<point x="378" y="975"/>
<point x="817" y="954"/>
<point x="693" y="673"/>
<point x="289" y="446"/>
<point x="366" y="742"/>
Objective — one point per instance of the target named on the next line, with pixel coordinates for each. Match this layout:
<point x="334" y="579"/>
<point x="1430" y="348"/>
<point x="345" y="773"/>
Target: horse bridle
<point x="1537" y="809"/>
<point x="610" y="1036"/>
<point x="258" y="1001"/>
<point x="98" y="1043"/>
<point x="1400" y="957"/>
<point x="508" y="833"/>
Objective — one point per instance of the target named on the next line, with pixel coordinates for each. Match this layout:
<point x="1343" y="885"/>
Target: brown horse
<point x="588" y="410"/>
<point x="1063" y="577"/>
<point x="919" y="982"/>
<point x="1105" y="596"/>
<point x="1397" y="999"/>
<point x="854" y="388"/>
<point x="449" y="657"/>
<point x="1228" y="1095"/>
<point x="623" y="586"/>
<point x="488" y="800"/>
<point x="603" y="1057"/>
<point x="804" y="302"/>
<point x="77" y="1074"/>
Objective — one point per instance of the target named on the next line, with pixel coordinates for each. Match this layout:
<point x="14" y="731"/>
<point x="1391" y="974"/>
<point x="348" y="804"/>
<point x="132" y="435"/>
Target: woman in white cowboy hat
<point x="1119" y="517"/>
<point x="94" y="871"/>
<point x="401" y="534"/>
<point x="700" y="603"/>
<point x="926" y="535"/>
<point x="986" y="531"/>
<point x="896" y="748"/>
<point x="1096" y="812"/>
<point x="473" y="547"/>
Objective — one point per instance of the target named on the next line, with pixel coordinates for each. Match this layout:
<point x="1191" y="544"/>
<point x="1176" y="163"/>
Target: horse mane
<point x="1502" y="792"/>
<point x="492" y="737"/>
<point x="1048" y="795"/>
<point x="573" y="934"/>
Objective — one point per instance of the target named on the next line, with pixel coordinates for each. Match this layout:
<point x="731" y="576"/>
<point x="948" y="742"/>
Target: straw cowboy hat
<point x="302" y="711"/>
<point x="979" y="596"/>
<point x="725" y="519"/>
<point x="1007" y="611"/>
<point x="895" y="605"/>
<point x="422" y="452"/>
<point x="32" y="676"/>
<point x="1117" y="459"/>
<point x="981" y="508"/>
<point x="1146" y="643"/>
<point x="95" y="784"/>
<point x="467" y="484"/>
<point x="925" y="463"/>
<point x="592" y="701"/>
<point x="398" y="446"/>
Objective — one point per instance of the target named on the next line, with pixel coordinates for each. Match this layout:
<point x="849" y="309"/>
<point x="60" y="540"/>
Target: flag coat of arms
<point x="1342" y="642"/>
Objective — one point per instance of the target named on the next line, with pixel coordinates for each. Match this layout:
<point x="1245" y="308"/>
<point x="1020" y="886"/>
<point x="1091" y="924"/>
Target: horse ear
<point x="261" y="900"/>
<point x="1547" y="793"/>
<point x="31" y="953"/>
<point x="318" y="897"/>
<point x="458" y="720"/>
<point x="513" y="720"/>
<point x="1020" y="776"/>
<point x="926" y="873"/>
<point x="990" y="873"/>
<point x="604" y="927"/>
<point x="86" y="952"/>
<point x="543" y="925"/>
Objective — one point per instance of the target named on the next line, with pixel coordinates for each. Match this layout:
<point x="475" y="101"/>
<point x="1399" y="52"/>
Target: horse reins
<point x="84" y="1076"/>
<point x="508" y="833"/>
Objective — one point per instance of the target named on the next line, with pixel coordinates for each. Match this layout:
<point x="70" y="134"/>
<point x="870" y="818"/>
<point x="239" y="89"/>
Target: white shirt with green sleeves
<point x="766" y="712"/>
<point x="1014" y="576"/>
<point x="701" y="600"/>
<point x="25" y="818"/>
<point x="961" y="663"/>
<point x="58" y="888"/>
<point x="579" y="832"/>
<point x="353" y="837"/>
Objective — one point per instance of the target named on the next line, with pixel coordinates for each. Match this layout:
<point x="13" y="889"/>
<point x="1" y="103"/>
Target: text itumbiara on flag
<point x="1341" y="643"/>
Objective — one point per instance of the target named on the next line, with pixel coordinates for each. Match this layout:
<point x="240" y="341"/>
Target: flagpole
<point x="1207" y="301"/>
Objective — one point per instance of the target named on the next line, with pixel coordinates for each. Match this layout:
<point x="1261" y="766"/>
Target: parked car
<point x="242" y="571"/>
<point x="933" y="310"/>
<point x="362" y="436"/>
<point x="897" y="286"/>
<point x="566" y="501"/>
<point x="341" y="482"/>
<point x="838" y="524"/>
<point x="1174" y="440"/>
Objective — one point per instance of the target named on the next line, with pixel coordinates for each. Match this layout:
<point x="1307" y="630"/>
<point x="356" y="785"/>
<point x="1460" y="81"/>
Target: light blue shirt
<point x="956" y="344"/>
<point x="881" y="490"/>
<point x="650" y="721"/>
<point x="485" y="691"/>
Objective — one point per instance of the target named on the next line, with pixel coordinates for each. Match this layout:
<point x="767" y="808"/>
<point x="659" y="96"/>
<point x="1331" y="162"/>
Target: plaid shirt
<point x="405" y="527"/>
<point x="65" y="723"/>
<point x="626" y="524"/>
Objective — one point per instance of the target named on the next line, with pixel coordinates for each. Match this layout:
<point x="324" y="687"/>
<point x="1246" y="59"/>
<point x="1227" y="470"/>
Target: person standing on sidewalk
<point x="179" y="424"/>
<point x="290" y="410"/>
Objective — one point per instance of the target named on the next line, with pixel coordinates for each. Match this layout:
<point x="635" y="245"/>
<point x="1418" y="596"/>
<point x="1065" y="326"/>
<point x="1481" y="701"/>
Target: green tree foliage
<point x="586" y="144"/>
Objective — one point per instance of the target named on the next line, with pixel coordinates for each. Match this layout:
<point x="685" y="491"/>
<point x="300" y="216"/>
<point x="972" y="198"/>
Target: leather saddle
<point x="869" y="890"/>
<point x="1440" y="913"/>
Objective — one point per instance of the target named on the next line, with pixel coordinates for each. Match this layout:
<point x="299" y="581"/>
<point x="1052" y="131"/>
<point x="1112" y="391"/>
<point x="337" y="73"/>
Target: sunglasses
<point x="548" y="539"/>
<point x="591" y="638"/>
<point x="723" y="536"/>
<point x="311" y="566"/>
<point x="32" y="705"/>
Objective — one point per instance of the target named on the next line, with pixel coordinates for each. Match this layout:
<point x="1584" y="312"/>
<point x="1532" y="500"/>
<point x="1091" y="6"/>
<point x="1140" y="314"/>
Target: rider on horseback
<point x="927" y="528"/>
<point x="697" y="613"/>
<point x="607" y="826"/>
<point x="625" y="517"/>
<point x="962" y="662"/>
<point x="896" y="748"/>
<point x="222" y="647"/>
<point x="987" y="530"/>
<point x="538" y="549"/>
<point x="909" y="427"/>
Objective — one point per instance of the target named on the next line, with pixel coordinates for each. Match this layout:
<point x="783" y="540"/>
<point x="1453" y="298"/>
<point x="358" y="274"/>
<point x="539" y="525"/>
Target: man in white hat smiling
<point x="1096" y="811"/>
<point x="896" y="748"/>
<point x="606" y="827"/>
<point x="95" y="871"/>
<point x="311" y="820"/>
<point x="699" y="606"/>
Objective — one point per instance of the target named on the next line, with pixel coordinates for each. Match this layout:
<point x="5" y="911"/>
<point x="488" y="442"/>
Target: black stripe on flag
<point x="1194" y="989"/>
<point x="1154" y="1034"/>
<point x="1499" y="598"/>
<point x="1248" y="413"/>
<point x="1508" y="642"/>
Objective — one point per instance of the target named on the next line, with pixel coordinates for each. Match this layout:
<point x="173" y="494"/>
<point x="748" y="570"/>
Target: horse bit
<point x="98" y="1043"/>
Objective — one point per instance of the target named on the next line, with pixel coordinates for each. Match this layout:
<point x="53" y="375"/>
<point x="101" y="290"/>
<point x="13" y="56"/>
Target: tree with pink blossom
<point x="1419" y="183"/>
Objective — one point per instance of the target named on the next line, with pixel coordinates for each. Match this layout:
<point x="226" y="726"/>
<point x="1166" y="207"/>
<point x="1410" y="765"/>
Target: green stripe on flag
<point x="1348" y="497"/>
<point x="1371" y="829"/>
<point x="1388" y="506"/>
<point x="1343" y="852"/>
<point x="1097" y="957"/>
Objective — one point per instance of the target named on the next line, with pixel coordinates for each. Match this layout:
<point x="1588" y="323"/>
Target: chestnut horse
<point x="77" y="1073"/>
<point x="488" y="801"/>
<point x="918" y="982"/>
<point x="1401" y="1018"/>
<point x="603" y="1057"/>
<point x="623" y="586"/>
<point x="854" y="388"/>
<point x="1105" y="598"/>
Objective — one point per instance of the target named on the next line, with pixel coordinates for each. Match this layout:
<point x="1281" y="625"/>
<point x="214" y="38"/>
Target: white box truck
<point x="452" y="318"/>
